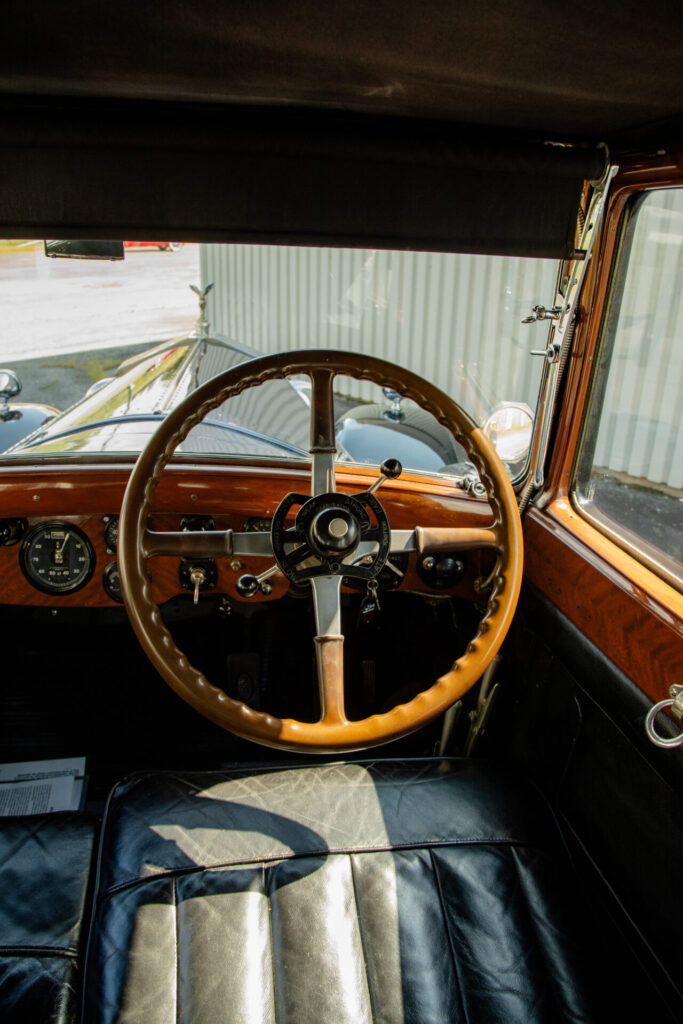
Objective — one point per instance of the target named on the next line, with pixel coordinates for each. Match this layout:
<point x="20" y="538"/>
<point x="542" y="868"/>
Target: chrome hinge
<point x="552" y="351"/>
<point x="541" y="313"/>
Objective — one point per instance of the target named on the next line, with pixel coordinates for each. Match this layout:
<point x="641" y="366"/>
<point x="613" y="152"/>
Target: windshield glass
<point x="103" y="350"/>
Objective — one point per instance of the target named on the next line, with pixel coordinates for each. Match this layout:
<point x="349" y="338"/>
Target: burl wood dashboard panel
<point x="635" y="618"/>
<point x="85" y="495"/>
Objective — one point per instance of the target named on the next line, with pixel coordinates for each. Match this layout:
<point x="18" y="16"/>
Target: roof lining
<point x="287" y="176"/>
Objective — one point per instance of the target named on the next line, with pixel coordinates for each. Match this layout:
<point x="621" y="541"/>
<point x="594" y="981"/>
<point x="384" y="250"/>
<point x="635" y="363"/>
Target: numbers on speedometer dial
<point x="57" y="558"/>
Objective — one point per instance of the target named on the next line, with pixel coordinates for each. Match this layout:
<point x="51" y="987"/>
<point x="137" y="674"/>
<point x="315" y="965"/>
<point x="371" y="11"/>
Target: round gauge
<point x="112" y="583"/>
<point x="111" y="534"/>
<point x="57" y="558"/>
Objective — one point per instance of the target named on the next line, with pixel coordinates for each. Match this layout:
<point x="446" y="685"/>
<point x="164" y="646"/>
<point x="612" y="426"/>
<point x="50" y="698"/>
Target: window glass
<point x="112" y="347"/>
<point x="630" y="471"/>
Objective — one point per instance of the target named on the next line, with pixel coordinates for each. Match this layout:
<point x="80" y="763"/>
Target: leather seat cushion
<point x="44" y="869"/>
<point x="430" y="891"/>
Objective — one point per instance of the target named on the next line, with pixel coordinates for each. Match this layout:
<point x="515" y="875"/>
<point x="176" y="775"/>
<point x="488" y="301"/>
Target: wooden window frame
<point x="629" y="611"/>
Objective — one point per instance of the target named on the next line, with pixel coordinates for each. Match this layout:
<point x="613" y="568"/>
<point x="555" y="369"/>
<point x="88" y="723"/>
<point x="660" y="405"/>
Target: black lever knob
<point x="391" y="468"/>
<point x="248" y="585"/>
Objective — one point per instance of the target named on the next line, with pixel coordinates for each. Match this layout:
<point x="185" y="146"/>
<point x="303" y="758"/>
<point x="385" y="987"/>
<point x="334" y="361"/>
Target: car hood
<point x="120" y="414"/>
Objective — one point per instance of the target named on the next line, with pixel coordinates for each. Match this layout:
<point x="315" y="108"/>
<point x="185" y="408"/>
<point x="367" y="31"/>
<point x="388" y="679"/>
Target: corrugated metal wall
<point x="454" y="319"/>
<point x="641" y="428"/>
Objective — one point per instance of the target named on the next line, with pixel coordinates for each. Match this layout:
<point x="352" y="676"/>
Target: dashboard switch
<point x="198" y="579"/>
<point x="198" y="575"/>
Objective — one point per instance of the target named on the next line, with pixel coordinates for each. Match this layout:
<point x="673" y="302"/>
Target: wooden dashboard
<point x="88" y="495"/>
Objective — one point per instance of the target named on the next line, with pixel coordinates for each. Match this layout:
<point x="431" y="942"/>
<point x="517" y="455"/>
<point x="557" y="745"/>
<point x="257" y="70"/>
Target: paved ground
<point x="62" y="306"/>
<point x="68" y="323"/>
<point x="61" y="380"/>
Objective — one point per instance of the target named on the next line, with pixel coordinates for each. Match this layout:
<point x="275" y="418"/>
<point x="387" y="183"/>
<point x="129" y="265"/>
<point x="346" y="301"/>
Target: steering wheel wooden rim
<point x="334" y="732"/>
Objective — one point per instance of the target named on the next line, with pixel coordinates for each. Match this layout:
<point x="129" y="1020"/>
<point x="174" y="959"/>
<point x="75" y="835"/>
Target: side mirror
<point x="84" y="250"/>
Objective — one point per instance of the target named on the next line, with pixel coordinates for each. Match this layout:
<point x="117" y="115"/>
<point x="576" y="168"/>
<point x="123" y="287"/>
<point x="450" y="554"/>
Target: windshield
<point x="103" y="350"/>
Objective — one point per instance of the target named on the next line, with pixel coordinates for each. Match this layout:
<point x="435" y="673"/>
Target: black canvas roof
<point x="608" y="71"/>
<point x="404" y="124"/>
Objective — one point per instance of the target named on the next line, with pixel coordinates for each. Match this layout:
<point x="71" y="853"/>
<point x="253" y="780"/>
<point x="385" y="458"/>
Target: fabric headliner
<point x="387" y="125"/>
<point x="111" y="170"/>
<point x="584" y="71"/>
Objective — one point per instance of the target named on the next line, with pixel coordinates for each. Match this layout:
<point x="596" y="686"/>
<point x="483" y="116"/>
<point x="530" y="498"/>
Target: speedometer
<point x="57" y="558"/>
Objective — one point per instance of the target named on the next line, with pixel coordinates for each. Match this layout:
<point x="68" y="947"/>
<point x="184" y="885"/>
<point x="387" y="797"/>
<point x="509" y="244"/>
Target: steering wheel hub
<point x="334" y="531"/>
<point x="327" y="529"/>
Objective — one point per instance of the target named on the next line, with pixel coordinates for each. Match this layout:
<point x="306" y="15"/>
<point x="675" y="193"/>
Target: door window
<point x="629" y="475"/>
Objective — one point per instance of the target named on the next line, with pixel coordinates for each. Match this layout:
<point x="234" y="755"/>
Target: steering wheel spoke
<point x="188" y="543"/>
<point x="329" y="656"/>
<point x="322" y="474"/>
<point x="323" y="444"/>
<point x="329" y="647"/>
<point x="327" y="604"/>
<point x="433" y="539"/>
<point x="256" y="542"/>
<point x="402" y="540"/>
<point x="296" y="556"/>
<point x="205" y="543"/>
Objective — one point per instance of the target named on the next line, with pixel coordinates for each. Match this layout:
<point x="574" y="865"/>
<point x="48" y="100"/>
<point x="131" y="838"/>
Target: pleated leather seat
<point x="44" y="869"/>
<point x="424" y="891"/>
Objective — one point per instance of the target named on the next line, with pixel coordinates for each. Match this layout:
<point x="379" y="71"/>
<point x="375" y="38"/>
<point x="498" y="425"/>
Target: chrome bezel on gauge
<point x="111" y="589"/>
<point x="111" y="533"/>
<point x="47" y="587"/>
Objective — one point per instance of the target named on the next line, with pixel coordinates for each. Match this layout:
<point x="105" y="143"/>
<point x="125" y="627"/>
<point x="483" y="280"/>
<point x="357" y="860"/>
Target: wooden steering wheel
<point x="337" y="530"/>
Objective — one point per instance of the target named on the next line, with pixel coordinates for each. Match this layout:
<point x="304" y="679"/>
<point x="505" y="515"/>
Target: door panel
<point x="578" y="732"/>
<point x="631" y="615"/>
<point x="599" y="633"/>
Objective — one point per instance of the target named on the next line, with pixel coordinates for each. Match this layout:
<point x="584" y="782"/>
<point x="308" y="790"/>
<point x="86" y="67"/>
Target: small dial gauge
<point x="57" y="558"/>
<point x="112" y="583"/>
<point x="111" y="534"/>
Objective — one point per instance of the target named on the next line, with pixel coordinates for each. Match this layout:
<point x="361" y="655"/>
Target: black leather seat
<point x="44" y="869"/>
<point x="430" y="891"/>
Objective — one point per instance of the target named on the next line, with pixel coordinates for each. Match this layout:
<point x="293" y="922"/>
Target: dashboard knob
<point x="12" y="530"/>
<point x="248" y="585"/>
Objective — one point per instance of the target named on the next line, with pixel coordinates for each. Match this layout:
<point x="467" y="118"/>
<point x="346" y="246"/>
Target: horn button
<point x="328" y="528"/>
<point x="334" y="531"/>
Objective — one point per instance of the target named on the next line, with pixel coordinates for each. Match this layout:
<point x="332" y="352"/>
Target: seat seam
<point x="363" y="946"/>
<point x="550" y="974"/>
<point x="42" y="951"/>
<point x="177" y="940"/>
<point x="458" y="976"/>
<point x="131" y="883"/>
<point x="125" y="786"/>
<point x="266" y="878"/>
